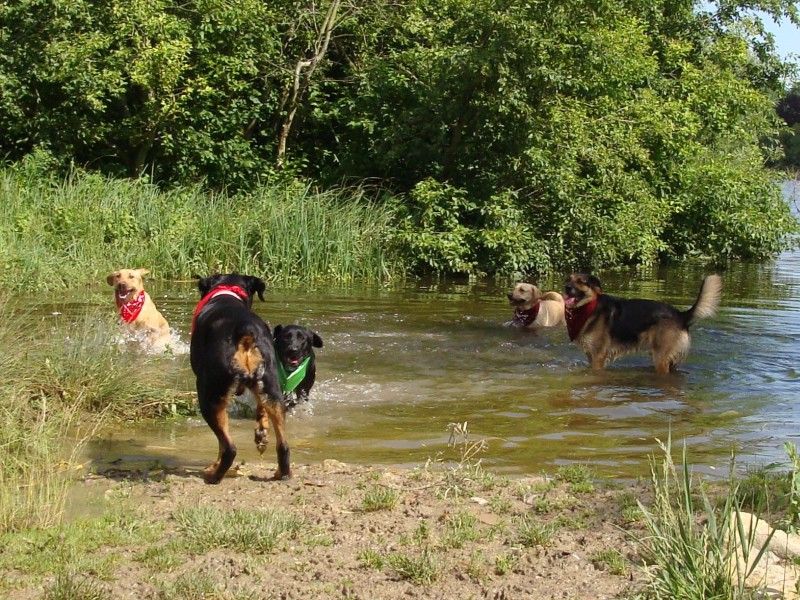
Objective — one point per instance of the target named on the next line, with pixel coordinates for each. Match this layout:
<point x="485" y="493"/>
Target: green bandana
<point x="292" y="380"/>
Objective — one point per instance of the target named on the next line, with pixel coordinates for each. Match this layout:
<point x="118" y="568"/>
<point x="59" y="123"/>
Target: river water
<point x="401" y="363"/>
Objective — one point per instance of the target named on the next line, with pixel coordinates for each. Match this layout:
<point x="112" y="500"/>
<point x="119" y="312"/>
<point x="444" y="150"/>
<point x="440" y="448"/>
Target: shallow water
<point x="400" y="364"/>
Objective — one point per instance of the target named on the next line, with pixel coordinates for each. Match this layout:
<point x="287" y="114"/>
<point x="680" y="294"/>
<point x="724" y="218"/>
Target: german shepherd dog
<point x="294" y="345"/>
<point x="607" y="327"/>
<point x="232" y="350"/>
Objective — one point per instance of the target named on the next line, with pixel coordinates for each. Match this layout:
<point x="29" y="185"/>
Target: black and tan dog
<point x="607" y="327"/>
<point x="297" y="369"/>
<point x="232" y="350"/>
<point x="534" y="309"/>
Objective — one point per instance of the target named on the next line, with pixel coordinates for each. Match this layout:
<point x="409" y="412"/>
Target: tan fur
<point x="551" y="304"/>
<point x="247" y="357"/>
<point x="130" y="282"/>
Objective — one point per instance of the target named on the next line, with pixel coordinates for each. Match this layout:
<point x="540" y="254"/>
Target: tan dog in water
<point x="137" y="311"/>
<point x="533" y="309"/>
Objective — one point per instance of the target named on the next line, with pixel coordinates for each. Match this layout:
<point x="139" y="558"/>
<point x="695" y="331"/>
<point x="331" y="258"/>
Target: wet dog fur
<point x="232" y="350"/>
<point x="525" y="297"/>
<point x="293" y="344"/>
<point x="127" y="284"/>
<point x="607" y="327"/>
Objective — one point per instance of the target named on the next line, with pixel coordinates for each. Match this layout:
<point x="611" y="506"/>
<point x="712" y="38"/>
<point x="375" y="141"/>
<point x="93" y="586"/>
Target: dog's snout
<point x="510" y="295"/>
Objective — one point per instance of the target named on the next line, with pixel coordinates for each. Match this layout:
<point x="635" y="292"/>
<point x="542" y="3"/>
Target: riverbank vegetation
<point x="512" y="137"/>
<point x="61" y="381"/>
<point x="59" y="233"/>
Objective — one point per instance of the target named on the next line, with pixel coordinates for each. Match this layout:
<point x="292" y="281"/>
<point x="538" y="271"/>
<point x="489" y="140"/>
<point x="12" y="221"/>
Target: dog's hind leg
<point x="276" y="413"/>
<point x="262" y="427"/>
<point x="214" y="411"/>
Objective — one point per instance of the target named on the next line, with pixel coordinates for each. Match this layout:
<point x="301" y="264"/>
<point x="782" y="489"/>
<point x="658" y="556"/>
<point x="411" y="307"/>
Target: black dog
<point x="294" y="345"/>
<point x="232" y="350"/>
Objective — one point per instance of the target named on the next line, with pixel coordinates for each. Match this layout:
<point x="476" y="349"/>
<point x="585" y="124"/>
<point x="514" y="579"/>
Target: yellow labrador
<point x="533" y="309"/>
<point x="137" y="311"/>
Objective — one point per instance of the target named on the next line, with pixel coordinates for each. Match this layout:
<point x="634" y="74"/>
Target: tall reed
<point x="692" y="544"/>
<point x="60" y="232"/>
<point x="59" y="383"/>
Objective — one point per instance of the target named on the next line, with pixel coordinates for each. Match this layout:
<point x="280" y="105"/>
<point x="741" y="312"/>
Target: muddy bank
<point x="339" y="531"/>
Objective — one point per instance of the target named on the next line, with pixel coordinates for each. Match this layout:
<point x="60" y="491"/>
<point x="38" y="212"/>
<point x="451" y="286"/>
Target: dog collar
<point x="130" y="310"/>
<point x="523" y="318"/>
<point x="221" y="290"/>
<point x="576" y="318"/>
<point x="289" y="381"/>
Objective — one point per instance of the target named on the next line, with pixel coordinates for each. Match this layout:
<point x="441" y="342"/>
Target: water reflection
<point x="401" y="363"/>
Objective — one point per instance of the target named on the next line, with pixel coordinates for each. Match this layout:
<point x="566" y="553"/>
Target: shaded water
<point x="400" y="364"/>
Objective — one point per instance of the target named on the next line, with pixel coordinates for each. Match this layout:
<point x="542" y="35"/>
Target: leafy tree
<point x="523" y="136"/>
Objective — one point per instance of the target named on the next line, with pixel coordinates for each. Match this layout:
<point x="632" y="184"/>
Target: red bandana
<point x="523" y="318"/>
<point x="226" y="290"/>
<point x="577" y="318"/>
<point x="131" y="309"/>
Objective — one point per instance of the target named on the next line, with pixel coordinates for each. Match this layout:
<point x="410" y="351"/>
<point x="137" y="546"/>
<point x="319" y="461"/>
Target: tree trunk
<point x="303" y="71"/>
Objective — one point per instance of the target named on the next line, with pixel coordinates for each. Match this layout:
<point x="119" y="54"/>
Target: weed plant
<point x="60" y="382"/>
<point x="691" y="544"/>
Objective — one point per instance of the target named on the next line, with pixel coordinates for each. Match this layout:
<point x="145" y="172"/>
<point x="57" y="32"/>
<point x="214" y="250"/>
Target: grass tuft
<point x="531" y="533"/>
<point x="69" y="586"/>
<point x="380" y="498"/>
<point x="690" y="542"/>
<point x="255" y="531"/>
<point x="422" y="568"/>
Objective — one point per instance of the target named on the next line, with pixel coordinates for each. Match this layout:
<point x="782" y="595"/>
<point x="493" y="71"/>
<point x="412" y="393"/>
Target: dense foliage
<point x="789" y="110"/>
<point x="523" y="135"/>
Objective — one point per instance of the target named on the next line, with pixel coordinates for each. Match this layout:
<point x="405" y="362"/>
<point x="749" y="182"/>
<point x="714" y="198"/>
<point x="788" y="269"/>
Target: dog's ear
<point x="204" y="284"/>
<point x="110" y="278"/>
<point x="277" y="331"/>
<point x="255" y="285"/>
<point x="143" y="272"/>
<point x="316" y="341"/>
<point x="594" y="283"/>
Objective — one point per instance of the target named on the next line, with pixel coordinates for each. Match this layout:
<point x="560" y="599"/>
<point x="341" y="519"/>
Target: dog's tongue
<point x="294" y="362"/>
<point x="121" y="295"/>
<point x="569" y="302"/>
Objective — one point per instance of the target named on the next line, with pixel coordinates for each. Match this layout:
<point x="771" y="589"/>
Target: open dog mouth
<point x="123" y="291"/>
<point x="293" y="361"/>
<point x="570" y="301"/>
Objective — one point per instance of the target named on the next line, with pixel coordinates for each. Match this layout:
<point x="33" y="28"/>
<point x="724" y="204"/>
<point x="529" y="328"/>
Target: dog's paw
<point x="281" y="476"/>
<point x="261" y="439"/>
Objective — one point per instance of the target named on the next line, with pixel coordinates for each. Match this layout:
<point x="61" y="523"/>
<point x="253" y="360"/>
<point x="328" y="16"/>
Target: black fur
<point x="219" y="329"/>
<point x="293" y="344"/>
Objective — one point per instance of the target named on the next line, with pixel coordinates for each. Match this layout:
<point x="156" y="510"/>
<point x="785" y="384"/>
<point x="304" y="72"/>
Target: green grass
<point x="610" y="560"/>
<point x="422" y="568"/>
<point x="61" y="380"/>
<point x="163" y="557"/>
<point x="507" y="562"/>
<point x="60" y="233"/>
<point x="460" y="528"/>
<point x="531" y="533"/>
<point x="204" y="528"/>
<point x="83" y="547"/>
<point x="690" y="540"/>
<point x="379" y="498"/>
<point x="70" y="586"/>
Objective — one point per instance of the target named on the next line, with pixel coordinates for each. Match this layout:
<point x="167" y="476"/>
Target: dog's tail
<point x="707" y="300"/>
<point x="248" y="360"/>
